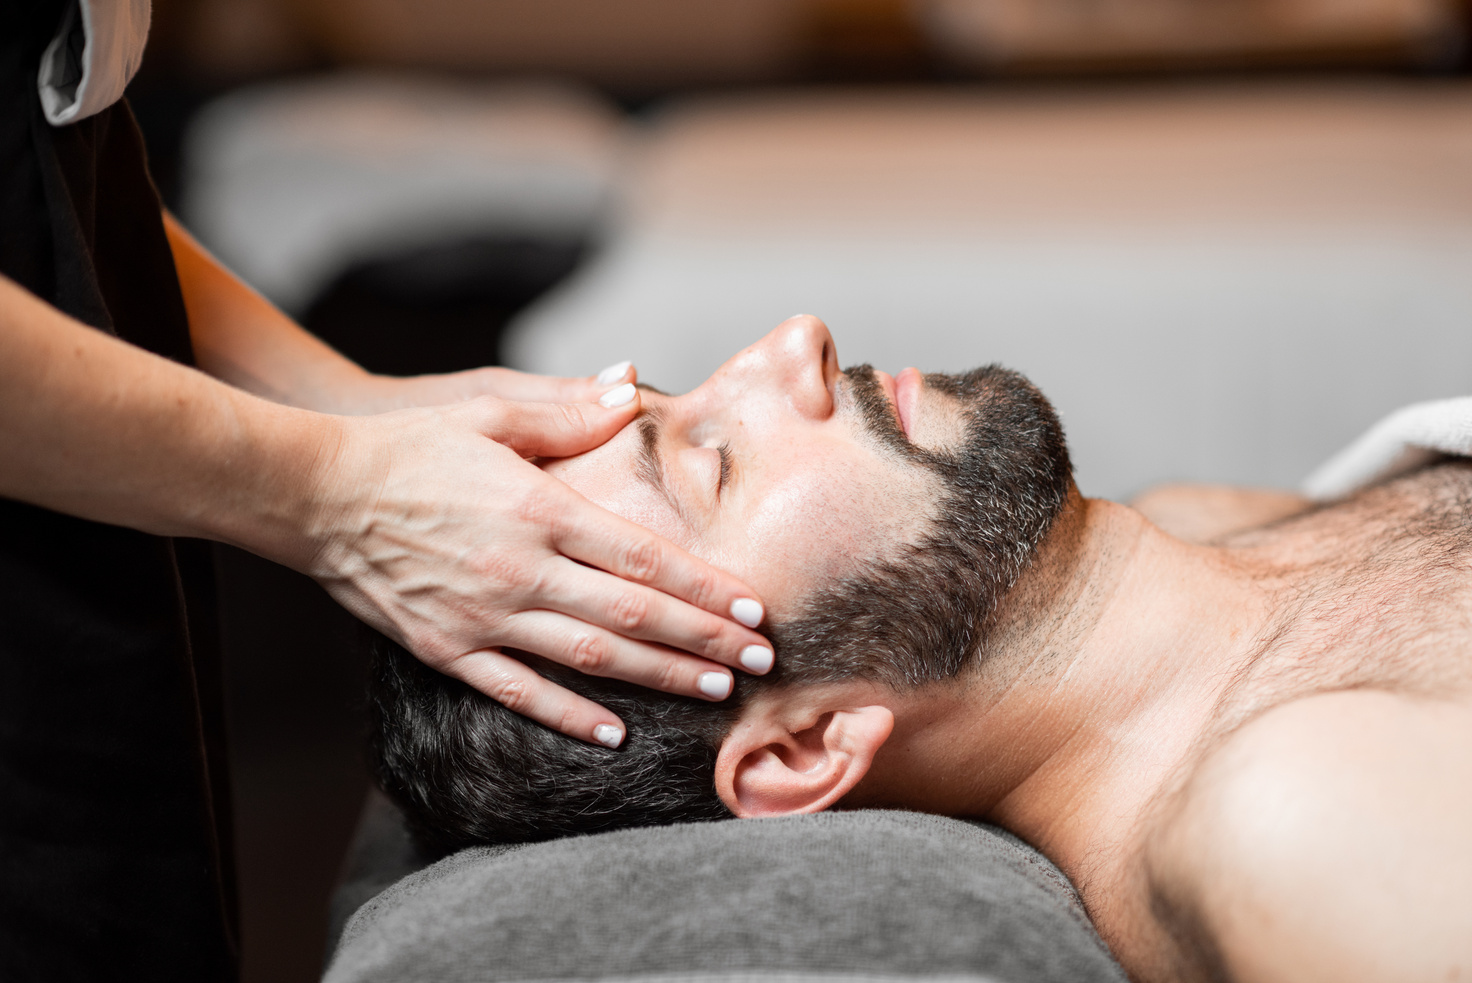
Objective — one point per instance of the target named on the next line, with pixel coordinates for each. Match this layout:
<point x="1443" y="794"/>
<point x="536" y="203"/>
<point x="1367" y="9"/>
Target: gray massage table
<point x="866" y="895"/>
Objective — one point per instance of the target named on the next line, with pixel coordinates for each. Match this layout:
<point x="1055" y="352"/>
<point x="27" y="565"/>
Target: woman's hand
<point x="427" y="523"/>
<point x="437" y="531"/>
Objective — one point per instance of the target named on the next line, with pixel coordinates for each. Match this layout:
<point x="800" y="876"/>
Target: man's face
<point x="779" y="468"/>
<point x="882" y="519"/>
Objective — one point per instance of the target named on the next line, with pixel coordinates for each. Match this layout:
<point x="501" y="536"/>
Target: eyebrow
<point x="651" y="464"/>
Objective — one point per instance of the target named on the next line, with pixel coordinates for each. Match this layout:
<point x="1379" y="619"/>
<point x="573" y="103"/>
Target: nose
<point x="797" y="360"/>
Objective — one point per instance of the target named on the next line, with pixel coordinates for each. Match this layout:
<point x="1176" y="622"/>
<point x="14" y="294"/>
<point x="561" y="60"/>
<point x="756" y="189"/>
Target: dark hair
<point x="466" y="770"/>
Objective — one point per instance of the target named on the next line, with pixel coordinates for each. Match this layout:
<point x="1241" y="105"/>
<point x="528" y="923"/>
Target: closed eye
<point x="725" y="452"/>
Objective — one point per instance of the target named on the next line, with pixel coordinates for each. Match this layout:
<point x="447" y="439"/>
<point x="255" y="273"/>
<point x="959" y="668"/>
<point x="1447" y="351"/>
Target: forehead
<point x="808" y="503"/>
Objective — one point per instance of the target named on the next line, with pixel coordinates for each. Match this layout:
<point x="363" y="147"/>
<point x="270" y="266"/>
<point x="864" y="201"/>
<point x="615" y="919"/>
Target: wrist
<point x="342" y="480"/>
<point x="286" y="484"/>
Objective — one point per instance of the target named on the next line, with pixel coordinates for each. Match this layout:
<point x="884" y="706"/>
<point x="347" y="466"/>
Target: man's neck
<point x="1110" y="660"/>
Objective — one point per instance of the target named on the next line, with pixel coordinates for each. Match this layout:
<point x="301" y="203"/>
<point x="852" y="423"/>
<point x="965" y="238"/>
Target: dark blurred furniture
<point x="653" y="46"/>
<point x="440" y="308"/>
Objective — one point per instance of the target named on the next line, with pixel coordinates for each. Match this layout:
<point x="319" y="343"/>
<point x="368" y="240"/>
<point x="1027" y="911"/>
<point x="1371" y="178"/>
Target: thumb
<point x="559" y="429"/>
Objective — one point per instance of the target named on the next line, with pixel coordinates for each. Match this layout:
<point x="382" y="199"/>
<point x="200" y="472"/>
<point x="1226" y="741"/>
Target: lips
<point x="907" y="386"/>
<point x="903" y="392"/>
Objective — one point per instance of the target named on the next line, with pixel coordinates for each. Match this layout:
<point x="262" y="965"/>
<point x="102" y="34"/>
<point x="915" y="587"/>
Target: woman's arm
<point x="95" y="427"/>
<point x="242" y="338"/>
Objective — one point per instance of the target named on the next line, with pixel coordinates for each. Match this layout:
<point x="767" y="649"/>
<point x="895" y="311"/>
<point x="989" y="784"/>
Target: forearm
<point x="94" y="427"/>
<point x="241" y="338"/>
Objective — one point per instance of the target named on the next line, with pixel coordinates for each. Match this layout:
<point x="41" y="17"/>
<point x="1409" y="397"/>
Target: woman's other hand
<point x="379" y="393"/>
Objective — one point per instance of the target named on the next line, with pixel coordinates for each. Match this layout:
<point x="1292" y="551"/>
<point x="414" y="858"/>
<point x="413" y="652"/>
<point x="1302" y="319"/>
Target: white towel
<point x="1402" y="442"/>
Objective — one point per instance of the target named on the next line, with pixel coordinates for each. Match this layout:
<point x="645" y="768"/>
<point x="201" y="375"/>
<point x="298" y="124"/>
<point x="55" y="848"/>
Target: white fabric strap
<point x="93" y="57"/>
<point x="1402" y="442"/>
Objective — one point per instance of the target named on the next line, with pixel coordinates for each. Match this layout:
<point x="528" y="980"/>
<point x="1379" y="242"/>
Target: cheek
<point x="815" y="526"/>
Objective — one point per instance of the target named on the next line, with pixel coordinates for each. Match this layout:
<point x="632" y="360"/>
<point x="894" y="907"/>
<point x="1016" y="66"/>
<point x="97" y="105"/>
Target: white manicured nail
<point x="617" y="396"/>
<point x="613" y="373"/>
<point x="756" y="658"/>
<point x="716" y="685"/>
<point x="608" y="735"/>
<point x="747" y="611"/>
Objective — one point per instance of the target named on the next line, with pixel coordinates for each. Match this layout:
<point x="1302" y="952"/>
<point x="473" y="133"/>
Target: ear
<point x="770" y="768"/>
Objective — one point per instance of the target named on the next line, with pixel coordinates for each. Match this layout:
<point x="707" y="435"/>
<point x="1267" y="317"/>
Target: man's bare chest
<point x="1377" y="593"/>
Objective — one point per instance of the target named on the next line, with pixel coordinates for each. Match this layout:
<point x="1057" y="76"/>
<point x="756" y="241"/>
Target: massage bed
<point x="871" y="895"/>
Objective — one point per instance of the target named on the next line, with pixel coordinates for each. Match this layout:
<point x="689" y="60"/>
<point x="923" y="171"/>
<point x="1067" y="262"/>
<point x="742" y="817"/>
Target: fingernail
<point x="716" y="685"/>
<point x="613" y="373"/>
<point x="756" y="658"/>
<point x="617" y="396"/>
<point x="609" y="735"/>
<point x="747" y="611"/>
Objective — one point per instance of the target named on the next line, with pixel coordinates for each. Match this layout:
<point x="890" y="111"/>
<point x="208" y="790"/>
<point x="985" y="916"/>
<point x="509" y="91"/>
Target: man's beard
<point x="922" y="615"/>
<point x="1008" y="477"/>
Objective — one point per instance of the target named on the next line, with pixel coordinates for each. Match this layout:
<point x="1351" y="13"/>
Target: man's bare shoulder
<point x="1205" y="513"/>
<point x="1236" y="516"/>
<point x="1325" y="839"/>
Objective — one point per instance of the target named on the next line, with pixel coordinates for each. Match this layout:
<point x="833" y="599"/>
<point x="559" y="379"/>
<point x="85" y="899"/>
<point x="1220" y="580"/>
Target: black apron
<point x="115" y="853"/>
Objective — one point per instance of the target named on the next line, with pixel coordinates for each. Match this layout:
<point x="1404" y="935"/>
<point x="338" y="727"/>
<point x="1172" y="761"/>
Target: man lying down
<point x="1252" y="755"/>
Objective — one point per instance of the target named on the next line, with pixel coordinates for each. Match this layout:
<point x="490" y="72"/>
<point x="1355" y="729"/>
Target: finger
<point x="599" y="652"/>
<point x="639" y="612"/>
<point x="590" y="535"/>
<point x="520" y="689"/>
<point x="617" y="373"/>
<point x="557" y="429"/>
<point x="528" y="387"/>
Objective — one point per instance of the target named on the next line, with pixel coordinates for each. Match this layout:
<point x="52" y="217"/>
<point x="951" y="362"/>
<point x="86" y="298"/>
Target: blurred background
<point x="1223" y="235"/>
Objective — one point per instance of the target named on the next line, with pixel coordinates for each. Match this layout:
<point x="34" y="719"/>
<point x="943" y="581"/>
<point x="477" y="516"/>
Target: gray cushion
<point x="877" y="895"/>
